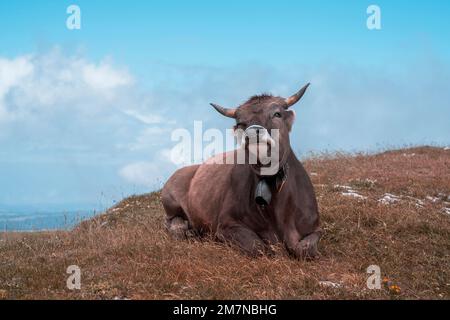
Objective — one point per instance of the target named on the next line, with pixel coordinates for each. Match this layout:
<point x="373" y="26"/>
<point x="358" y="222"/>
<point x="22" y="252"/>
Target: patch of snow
<point x="352" y="193"/>
<point x="409" y="154"/>
<point x="443" y="196"/>
<point x="330" y="284"/>
<point x="447" y="148"/>
<point x="349" y="192"/>
<point x="313" y="174"/>
<point x="343" y="187"/>
<point x="419" y="203"/>
<point x="389" y="198"/>
<point x="432" y="199"/>
<point x="446" y="211"/>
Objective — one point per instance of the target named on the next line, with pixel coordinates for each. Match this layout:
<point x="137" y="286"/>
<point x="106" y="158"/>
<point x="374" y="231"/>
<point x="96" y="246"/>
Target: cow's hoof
<point x="178" y="228"/>
<point x="307" y="247"/>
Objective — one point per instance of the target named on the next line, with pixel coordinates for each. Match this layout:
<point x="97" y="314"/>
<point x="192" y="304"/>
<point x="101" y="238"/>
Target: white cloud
<point x="146" y="174"/>
<point x="149" y="173"/>
<point x="149" y="137"/>
<point x="52" y="81"/>
<point x="12" y="72"/>
<point x="103" y="76"/>
<point x="52" y="102"/>
<point x="144" y="118"/>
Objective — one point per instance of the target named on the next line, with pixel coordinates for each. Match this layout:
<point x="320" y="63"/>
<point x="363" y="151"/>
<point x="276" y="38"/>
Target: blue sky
<point x="86" y="115"/>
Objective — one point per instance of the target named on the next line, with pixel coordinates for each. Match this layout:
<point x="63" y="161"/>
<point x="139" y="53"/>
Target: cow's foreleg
<point x="244" y="238"/>
<point x="177" y="223"/>
<point x="306" y="247"/>
<point x="177" y="227"/>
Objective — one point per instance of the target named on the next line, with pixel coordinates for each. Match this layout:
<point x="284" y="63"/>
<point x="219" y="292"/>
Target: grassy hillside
<point x="390" y="209"/>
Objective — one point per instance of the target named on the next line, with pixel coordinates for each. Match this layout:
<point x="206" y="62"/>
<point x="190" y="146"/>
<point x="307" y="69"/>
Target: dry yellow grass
<point x="126" y="253"/>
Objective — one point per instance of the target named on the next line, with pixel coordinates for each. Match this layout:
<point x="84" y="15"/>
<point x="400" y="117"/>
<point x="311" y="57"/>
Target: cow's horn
<point x="294" y="98"/>
<point x="230" y="113"/>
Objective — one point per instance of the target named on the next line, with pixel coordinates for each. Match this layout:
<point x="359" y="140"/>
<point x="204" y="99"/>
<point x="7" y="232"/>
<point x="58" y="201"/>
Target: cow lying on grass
<point x="244" y="203"/>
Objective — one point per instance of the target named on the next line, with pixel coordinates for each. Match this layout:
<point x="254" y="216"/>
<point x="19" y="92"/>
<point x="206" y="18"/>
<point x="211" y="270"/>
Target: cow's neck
<point x="269" y="186"/>
<point x="282" y="164"/>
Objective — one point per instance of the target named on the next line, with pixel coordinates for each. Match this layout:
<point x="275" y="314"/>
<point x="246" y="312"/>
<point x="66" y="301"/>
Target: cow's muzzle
<point x="256" y="134"/>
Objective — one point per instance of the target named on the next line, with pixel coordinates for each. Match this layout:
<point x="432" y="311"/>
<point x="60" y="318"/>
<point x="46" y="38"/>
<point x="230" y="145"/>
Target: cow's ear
<point x="290" y="118"/>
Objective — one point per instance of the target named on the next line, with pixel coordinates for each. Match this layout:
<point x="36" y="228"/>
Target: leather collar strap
<point x="281" y="176"/>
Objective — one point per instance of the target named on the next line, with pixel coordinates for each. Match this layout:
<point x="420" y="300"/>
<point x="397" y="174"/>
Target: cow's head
<point x="257" y="118"/>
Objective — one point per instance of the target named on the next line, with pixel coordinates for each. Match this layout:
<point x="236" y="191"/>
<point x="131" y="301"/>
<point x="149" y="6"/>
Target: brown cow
<point x="238" y="204"/>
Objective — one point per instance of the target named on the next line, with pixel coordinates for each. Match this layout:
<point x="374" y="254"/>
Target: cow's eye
<point x="277" y="115"/>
